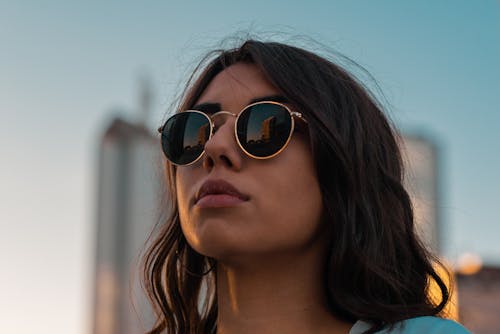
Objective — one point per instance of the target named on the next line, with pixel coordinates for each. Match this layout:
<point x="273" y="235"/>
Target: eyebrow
<point x="208" y="107"/>
<point x="213" y="107"/>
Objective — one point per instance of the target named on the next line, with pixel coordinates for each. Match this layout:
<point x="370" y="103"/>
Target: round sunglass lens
<point x="184" y="136"/>
<point x="264" y="129"/>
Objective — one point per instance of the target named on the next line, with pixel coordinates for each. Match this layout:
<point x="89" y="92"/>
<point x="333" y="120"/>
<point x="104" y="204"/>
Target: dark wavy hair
<point x="377" y="268"/>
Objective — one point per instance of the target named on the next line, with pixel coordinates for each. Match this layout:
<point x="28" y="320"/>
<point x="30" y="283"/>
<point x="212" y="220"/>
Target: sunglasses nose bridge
<point x="222" y="113"/>
<point x="219" y="119"/>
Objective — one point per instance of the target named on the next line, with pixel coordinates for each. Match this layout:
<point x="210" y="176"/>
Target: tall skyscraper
<point x="420" y="155"/>
<point x="128" y="199"/>
<point x="422" y="181"/>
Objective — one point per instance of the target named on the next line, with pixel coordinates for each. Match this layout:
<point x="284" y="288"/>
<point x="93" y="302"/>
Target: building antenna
<point x="145" y="97"/>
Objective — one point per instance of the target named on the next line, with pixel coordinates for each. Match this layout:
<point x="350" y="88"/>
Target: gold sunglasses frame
<point x="293" y="115"/>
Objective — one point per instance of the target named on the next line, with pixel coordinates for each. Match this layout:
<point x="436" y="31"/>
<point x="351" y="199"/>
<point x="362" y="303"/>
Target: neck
<point x="280" y="295"/>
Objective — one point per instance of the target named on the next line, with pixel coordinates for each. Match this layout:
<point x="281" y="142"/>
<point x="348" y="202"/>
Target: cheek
<point x="289" y="204"/>
<point x="184" y="185"/>
<point x="294" y="208"/>
<point x="181" y="192"/>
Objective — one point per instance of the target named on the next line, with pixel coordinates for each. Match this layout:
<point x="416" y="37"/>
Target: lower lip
<point x="218" y="201"/>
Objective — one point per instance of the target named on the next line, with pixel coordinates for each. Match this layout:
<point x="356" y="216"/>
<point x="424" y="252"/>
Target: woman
<point x="288" y="213"/>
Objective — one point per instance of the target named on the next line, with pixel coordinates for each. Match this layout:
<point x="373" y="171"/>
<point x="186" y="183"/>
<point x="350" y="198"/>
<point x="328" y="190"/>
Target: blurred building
<point x="479" y="295"/>
<point x="420" y="156"/>
<point x="128" y="188"/>
<point x="476" y="298"/>
<point x="421" y="180"/>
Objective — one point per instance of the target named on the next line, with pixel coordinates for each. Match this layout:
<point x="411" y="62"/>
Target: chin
<point x="216" y="238"/>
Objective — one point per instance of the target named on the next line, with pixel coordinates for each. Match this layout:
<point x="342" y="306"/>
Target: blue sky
<point x="66" y="67"/>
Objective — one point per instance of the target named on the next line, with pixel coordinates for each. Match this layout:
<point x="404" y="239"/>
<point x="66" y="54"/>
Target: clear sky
<point x="66" y="65"/>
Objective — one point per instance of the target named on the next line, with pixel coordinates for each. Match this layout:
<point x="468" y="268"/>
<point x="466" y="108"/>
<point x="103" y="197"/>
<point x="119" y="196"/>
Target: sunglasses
<point x="262" y="131"/>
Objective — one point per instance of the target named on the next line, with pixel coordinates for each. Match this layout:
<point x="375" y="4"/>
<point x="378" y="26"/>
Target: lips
<point x="218" y="193"/>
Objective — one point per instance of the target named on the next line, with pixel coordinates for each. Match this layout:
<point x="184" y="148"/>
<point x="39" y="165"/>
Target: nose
<point x="222" y="149"/>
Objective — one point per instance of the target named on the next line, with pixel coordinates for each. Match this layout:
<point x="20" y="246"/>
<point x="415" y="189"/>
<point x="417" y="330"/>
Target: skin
<point x="270" y="249"/>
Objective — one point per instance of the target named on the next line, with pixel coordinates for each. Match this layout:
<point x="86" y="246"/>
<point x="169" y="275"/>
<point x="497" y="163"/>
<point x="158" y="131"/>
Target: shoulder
<point x="427" y="324"/>
<point x="430" y="325"/>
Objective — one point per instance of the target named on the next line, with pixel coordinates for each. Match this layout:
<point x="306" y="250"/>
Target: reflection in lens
<point x="263" y="129"/>
<point x="267" y="129"/>
<point x="184" y="137"/>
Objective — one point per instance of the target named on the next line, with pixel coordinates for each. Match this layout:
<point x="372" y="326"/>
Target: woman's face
<point x="279" y="207"/>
